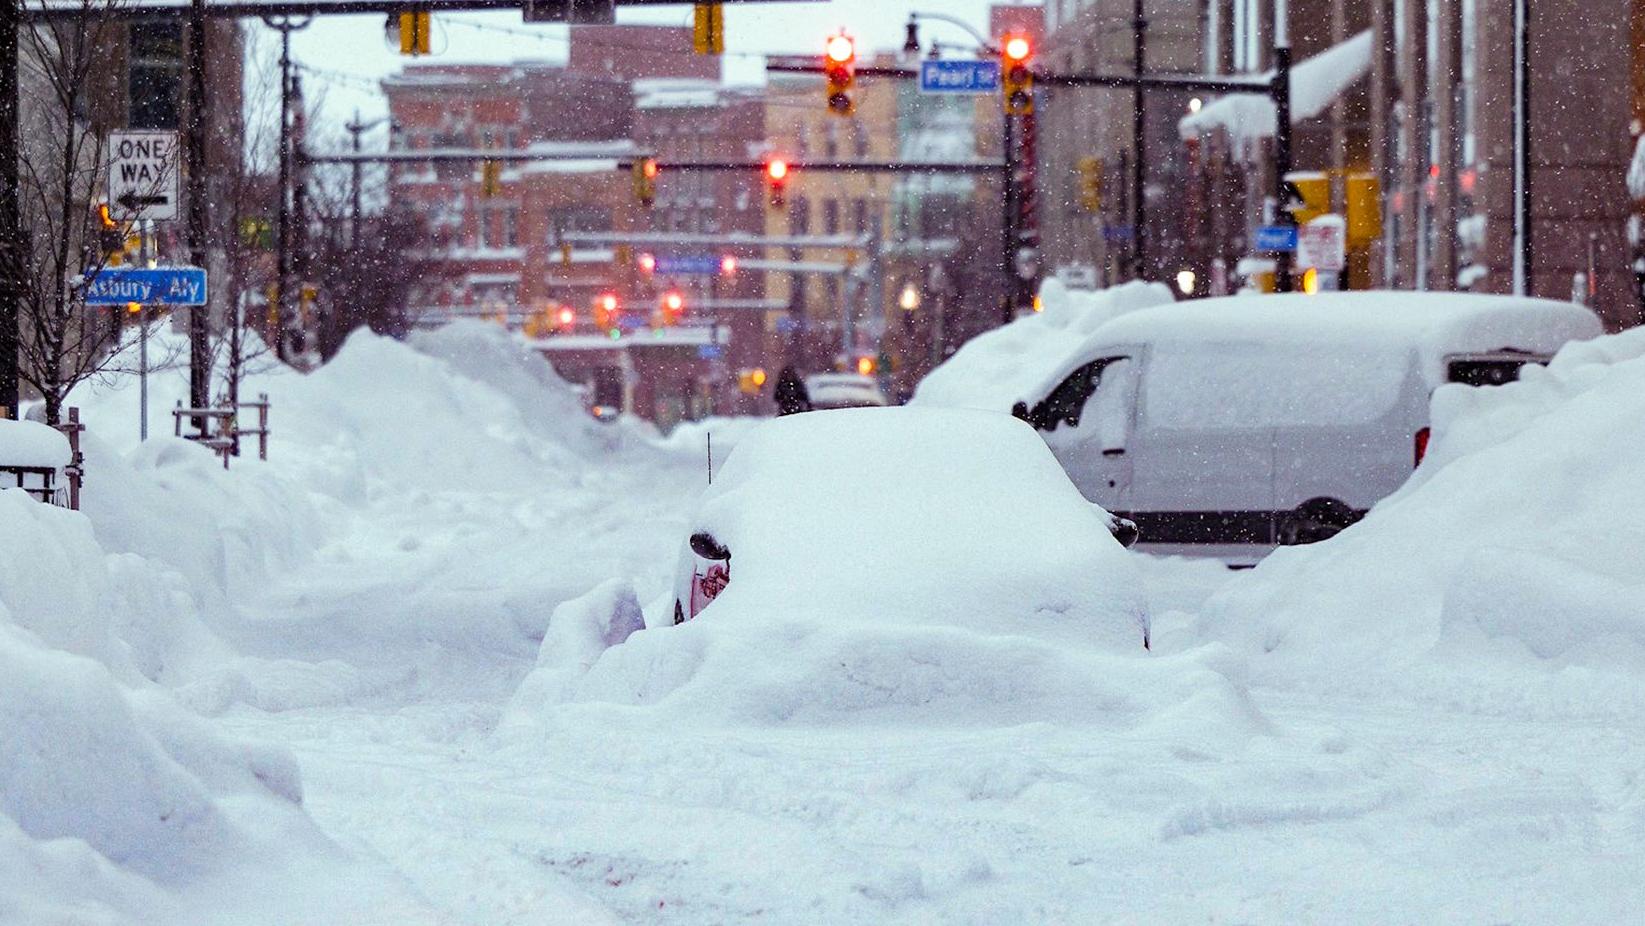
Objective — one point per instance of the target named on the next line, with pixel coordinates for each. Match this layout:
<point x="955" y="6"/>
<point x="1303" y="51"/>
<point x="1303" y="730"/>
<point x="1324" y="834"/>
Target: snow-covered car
<point x="908" y="515"/>
<point x="843" y="390"/>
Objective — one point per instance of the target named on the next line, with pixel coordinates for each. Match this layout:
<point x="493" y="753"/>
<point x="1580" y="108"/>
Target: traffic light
<point x="708" y="29"/>
<point x="840" y="64"/>
<point x="1090" y="183"/>
<point x="776" y="182"/>
<point x="1362" y="197"/>
<point x="111" y="239"/>
<point x="750" y="381"/>
<point x="1307" y="195"/>
<point x="566" y="318"/>
<point x="728" y="265"/>
<point x="1016" y="79"/>
<point x="866" y="366"/>
<point x="645" y="181"/>
<point x="605" y="310"/>
<point x="647" y="263"/>
<point x="491" y="178"/>
<point x="672" y="305"/>
<point x="415" y="29"/>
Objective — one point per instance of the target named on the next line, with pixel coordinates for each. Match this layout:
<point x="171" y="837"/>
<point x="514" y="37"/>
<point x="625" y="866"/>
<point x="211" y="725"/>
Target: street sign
<point x="710" y="351"/>
<point x="145" y="286"/>
<point x="688" y="264"/>
<point x="944" y="75"/>
<point x="1322" y="243"/>
<point x="1273" y="238"/>
<point x="143" y="168"/>
<point x="1117" y="233"/>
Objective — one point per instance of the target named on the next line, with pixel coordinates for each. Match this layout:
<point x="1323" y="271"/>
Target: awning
<point x="1315" y="85"/>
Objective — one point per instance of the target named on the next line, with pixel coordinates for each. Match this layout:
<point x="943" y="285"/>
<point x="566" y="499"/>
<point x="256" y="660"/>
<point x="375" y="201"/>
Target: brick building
<point x="623" y="91"/>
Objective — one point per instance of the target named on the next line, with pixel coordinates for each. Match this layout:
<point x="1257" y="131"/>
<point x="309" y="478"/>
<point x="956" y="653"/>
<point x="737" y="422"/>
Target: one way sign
<point x="143" y="174"/>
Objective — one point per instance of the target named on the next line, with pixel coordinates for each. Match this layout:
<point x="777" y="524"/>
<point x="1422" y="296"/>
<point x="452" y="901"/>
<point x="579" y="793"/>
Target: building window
<point x="155" y="75"/>
<point x="860" y="220"/>
<point x="831" y="217"/>
<point x="859" y="138"/>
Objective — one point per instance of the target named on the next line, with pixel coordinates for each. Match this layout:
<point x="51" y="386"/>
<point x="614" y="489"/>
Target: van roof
<point x="1432" y="324"/>
<point x="1447" y="322"/>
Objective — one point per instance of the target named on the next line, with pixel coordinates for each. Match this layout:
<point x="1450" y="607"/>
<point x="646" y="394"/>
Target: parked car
<point x="1229" y="426"/>
<point x="843" y="390"/>
<point x="893" y="513"/>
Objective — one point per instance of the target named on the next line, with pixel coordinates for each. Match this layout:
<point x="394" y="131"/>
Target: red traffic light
<point x="776" y="169"/>
<point x="1018" y="48"/>
<point x="649" y="168"/>
<point x="567" y="317"/>
<point x="673" y="302"/>
<point x="608" y="302"/>
<point x="728" y="265"/>
<point x="840" y="48"/>
<point x="648" y="263"/>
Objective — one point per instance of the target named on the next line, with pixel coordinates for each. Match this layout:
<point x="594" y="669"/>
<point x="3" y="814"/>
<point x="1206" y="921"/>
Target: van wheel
<point x="1315" y="520"/>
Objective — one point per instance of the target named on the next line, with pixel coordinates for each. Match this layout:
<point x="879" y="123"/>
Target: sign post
<point x="143" y="168"/>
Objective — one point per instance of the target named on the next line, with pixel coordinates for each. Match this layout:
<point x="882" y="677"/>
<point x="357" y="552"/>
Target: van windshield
<point x="1248" y="385"/>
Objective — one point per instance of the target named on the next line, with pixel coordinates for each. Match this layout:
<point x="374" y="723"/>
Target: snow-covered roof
<point x="1315" y="85"/>
<point x="676" y="93"/>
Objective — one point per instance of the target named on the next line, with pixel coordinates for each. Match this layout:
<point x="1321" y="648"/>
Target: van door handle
<point x="1114" y="452"/>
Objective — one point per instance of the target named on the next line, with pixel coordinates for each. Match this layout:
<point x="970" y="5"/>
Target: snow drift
<point x="999" y="367"/>
<point x="1505" y="571"/>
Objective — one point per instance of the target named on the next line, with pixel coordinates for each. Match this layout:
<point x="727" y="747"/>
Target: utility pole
<point x="199" y="350"/>
<point x="286" y="25"/>
<point x="1139" y="142"/>
<point x="11" y="219"/>
<point x="1282" y="138"/>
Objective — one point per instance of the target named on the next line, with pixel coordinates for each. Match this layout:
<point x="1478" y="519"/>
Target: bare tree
<point x="60" y="165"/>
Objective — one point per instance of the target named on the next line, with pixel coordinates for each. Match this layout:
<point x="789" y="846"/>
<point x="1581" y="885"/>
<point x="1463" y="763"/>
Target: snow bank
<point x="115" y="805"/>
<point x="1504" y="573"/>
<point x="900" y="565"/>
<point x="1000" y="367"/>
<point x="29" y="443"/>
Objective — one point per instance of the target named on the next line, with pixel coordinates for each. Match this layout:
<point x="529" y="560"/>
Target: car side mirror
<point x="1124" y="530"/>
<point x="704" y="545"/>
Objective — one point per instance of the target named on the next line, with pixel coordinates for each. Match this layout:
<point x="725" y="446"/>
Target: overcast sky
<point x="347" y="55"/>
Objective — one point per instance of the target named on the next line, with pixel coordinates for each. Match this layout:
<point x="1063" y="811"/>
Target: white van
<point x="1225" y="427"/>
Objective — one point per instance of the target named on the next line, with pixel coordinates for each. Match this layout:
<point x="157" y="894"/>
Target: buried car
<point x="943" y="517"/>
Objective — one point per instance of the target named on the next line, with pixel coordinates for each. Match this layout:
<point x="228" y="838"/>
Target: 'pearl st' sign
<point x="147" y="286"/>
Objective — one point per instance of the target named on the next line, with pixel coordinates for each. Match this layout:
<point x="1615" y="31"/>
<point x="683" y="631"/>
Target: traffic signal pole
<point x="199" y="348"/>
<point x="1139" y="143"/>
<point x="1008" y="221"/>
<point x="1282" y="140"/>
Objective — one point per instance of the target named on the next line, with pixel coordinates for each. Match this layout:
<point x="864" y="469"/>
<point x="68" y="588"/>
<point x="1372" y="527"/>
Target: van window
<point x="1222" y="386"/>
<point x="1487" y="371"/>
<point x="1096" y="398"/>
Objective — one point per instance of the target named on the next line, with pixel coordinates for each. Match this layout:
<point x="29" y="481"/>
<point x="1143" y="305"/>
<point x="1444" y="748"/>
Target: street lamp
<point x="911" y="44"/>
<point x="909" y="299"/>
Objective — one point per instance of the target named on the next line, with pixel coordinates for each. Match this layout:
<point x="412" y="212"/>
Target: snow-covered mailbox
<point x="35" y="458"/>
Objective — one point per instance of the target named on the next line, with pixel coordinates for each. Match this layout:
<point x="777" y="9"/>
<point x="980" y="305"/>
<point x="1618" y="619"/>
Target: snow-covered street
<point x="1312" y="740"/>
